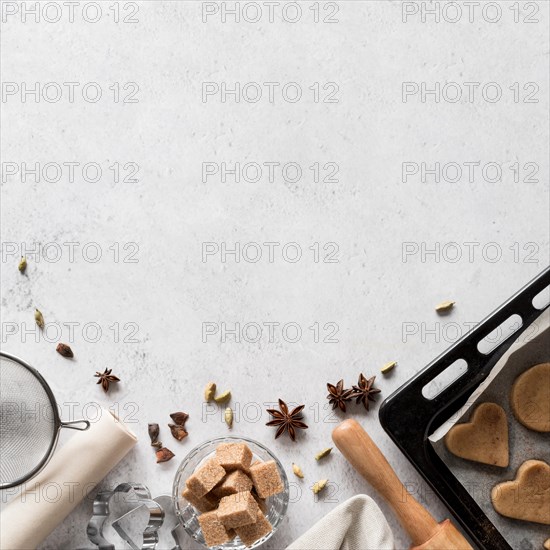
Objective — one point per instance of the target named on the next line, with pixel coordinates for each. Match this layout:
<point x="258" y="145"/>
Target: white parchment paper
<point x="531" y="348"/>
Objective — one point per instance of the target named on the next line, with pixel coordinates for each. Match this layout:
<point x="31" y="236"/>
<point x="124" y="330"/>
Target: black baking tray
<point x="409" y="418"/>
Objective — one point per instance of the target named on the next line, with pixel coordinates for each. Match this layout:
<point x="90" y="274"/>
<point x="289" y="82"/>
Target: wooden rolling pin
<point x="363" y="454"/>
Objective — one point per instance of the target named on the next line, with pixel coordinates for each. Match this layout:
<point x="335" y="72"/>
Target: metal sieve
<point x="29" y="421"/>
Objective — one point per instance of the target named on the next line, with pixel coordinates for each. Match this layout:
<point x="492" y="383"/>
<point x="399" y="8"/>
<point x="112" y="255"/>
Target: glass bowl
<point x="276" y="505"/>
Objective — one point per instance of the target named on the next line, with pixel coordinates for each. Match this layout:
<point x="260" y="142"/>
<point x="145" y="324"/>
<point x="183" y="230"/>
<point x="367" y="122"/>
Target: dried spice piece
<point x="323" y="453"/>
<point x="39" y="318"/>
<point x="388" y="367"/>
<point x="105" y="378"/>
<point x="287" y="421"/>
<point x="338" y="396"/>
<point x="365" y="391"/>
<point x="444" y="307"/>
<point x="209" y="391"/>
<point x="228" y="417"/>
<point x="318" y="486"/>
<point x="179" y="418"/>
<point x="154" y="431"/>
<point x="223" y="397"/>
<point x="65" y="350"/>
<point x="164" y="455"/>
<point x="22" y="265"/>
<point x="179" y="432"/>
<point x="297" y="471"/>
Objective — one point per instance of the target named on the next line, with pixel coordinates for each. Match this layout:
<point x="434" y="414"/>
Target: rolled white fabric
<point x="72" y="472"/>
<point x="357" y="524"/>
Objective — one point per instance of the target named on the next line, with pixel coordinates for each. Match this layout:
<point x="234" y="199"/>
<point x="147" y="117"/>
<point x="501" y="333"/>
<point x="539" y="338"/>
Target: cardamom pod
<point x="444" y="307"/>
<point x="318" y="486"/>
<point x="228" y="417"/>
<point x="65" y="350"/>
<point x="209" y="391"/>
<point x="157" y="444"/>
<point x="388" y="367"/>
<point x="179" y="432"/>
<point x="22" y="265"/>
<point x="323" y="453"/>
<point x="39" y="318"/>
<point x="297" y="471"/>
<point x="179" y="418"/>
<point x="223" y="397"/>
<point x="164" y="455"/>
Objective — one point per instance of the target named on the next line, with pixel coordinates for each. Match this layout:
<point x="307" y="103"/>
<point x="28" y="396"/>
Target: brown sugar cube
<point x="249" y="534"/>
<point x="205" y="478"/>
<point x="247" y="470"/>
<point x="202" y="504"/>
<point x="261" y="502"/>
<point x="213" y="530"/>
<point x="233" y="456"/>
<point x="234" y="482"/>
<point x="266" y="478"/>
<point x="238" y="510"/>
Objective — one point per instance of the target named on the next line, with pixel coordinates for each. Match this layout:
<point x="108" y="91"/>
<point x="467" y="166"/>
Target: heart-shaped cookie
<point x="483" y="439"/>
<point x="528" y="496"/>
<point x="530" y="397"/>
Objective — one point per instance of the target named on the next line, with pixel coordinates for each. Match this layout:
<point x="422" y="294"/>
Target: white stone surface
<point x="372" y="294"/>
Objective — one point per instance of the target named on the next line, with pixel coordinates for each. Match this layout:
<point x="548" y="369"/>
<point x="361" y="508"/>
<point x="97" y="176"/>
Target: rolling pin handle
<point x="363" y="454"/>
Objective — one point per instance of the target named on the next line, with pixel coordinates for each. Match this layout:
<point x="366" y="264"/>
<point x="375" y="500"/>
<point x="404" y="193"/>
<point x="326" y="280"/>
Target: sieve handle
<point x="76" y="425"/>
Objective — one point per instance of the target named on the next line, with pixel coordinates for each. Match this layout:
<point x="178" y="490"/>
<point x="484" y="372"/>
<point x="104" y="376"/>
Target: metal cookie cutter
<point x="101" y="512"/>
<point x="171" y="520"/>
<point x="171" y="528"/>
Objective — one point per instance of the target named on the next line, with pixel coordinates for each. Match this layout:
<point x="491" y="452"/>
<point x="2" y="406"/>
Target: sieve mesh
<point x="27" y="421"/>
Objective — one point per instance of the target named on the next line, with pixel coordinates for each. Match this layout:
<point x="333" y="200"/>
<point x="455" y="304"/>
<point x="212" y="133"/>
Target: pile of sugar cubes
<point x="230" y="491"/>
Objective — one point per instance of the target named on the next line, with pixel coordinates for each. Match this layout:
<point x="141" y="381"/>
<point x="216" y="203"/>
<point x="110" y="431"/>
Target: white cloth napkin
<point x="47" y="499"/>
<point x="357" y="524"/>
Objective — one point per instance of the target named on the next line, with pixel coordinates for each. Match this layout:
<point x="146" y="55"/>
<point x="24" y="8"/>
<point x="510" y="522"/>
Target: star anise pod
<point x="338" y="396"/>
<point x="287" y="421"/>
<point x="364" y="391"/>
<point x="105" y="378"/>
